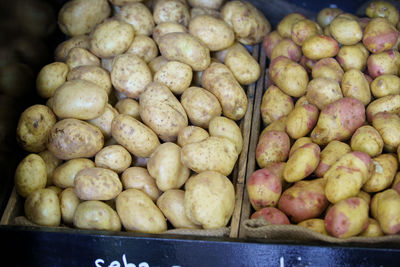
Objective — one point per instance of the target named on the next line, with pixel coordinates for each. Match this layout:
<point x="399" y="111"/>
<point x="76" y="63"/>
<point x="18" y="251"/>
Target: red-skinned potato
<point x="384" y="172"/>
<point x="368" y="140"/>
<point x="271" y="215"/>
<point x="328" y="68"/>
<point x="301" y="120"/>
<point x="287" y="48"/>
<point x="386" y="210"/>
<point x="347" y="218"/>
<point x="264" y="189"/>
<point x="326" y="15"/>
<point x="379" y="35"/>
<point x="386" y="62"/>
<point x="354" y="84"/>
<point x="329" y="155"/>
<point x="273" y="146"/>
<point x="388" y="126"/>
<point x="304" y="200"/>
<point x="304" y="29"/>
<point x="270" y="41"/>
<point x="320" y="46"/>
<point x="275" y="104"/>
<point x="387" y="104"/>
<point x="323" y="91"/>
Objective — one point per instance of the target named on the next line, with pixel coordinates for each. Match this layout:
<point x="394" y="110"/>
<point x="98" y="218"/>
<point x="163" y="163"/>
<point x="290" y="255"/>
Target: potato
<point x="185" y="48"/>
<point x="114" y="157"/>
<point x="128" y="106"/>
<point x="303" y="29"/>
<point x="50" y="77"/>
<point x="302" y="162"/>
<point x="272" y="146"/>
<point x="301" y="120"/>
<point x="72" y="138"/>
<point x="326" y="15"/>
<point x="56" y="189"/>
<point x="215" y="4"/>
<point x="68" y="204"/>
<point x="171" y="11"/>
<point x="96" y="215"/>
<point x="299" y="143"/>
<point x="30" y="175"/>
<point x="382" y="177"/>
<point x="388" y="211"/>
<point x="317" y="225"/>
<point x="64" y="174"/>
<point x="162" y="112"/>
<point x="386" y="62"/>
<point x="104" y="121"/>
<point x="43" y="207"/>
<point x="278" y="125"/>
<point x="199" y="11"/>
<point x="354" y="84"/>
<point x="385" y="84"/>
<point x="215" y="33"/>
<point x="51" y="163"/>
<point x="379" y="35"/>
<point x="323" y="91"/>
<point x="347" y="218"/>
<point x="286" y="24"/>
<point x="86" y="100"/>
<point x="383" y="9"/>
<point x="16" y="80"/>
<point x="248" y="23"/>
<point x="97" y="184"/>
<point x="138" y="213"/>
<point x="93" y="74"/>
<point x="264" y="189"/>
<point x="368" y="140"/>
<point x="219" y="80"/>
<point x="304" y="200"/>
<point x="191" y="134"/>
<point x="328" y="68"/>
<point x="227" y="128"/>
<point x="293" y="81"/>
<point x="34" y="125"/>
<point x="388" y="104"/>
<point x="62" y="50"/>
<point x="167" y="27"/>
<point x="373" y="229"/>
<point x="364" y="195"/>
<point x="80" y="16"/>
<point x="136" y="137"/>
<point x="396" y="182"/>
<point x="271" y="40"/>
<point x="329" y="155"/>
<point x="271" y="215"/>
<point x="171" y="204"/>
<point x="139" y="178"/>
<point x="338" y="120"/>
<point x="347" y="175"/>
<point x="353" y="57"/>
<point x="78" y="56"/>
<point x="175" y="75"/>
<point x="388" y="126"/>
<point x="301" y="101"/>
<point x="213" y="154"/>
<point x="287" y="48"/>
<point x="320" y="46"/>
<point x="275" y="104"/>
<point x="144" y="47"/>
<point x="130" y="75"/>
<point x="345" y="30"/>
<point x="243" y="66"/>
<point x="209" y="199"/>
<point x="142" y="24"/>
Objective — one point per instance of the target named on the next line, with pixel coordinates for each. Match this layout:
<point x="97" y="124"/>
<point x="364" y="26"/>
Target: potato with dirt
<point x="385" y="209"/>
<point x="385" y="84"/>
<point x="387" y="104"/>
<point x="388" y="126"/>
<point x="386" y="62"/>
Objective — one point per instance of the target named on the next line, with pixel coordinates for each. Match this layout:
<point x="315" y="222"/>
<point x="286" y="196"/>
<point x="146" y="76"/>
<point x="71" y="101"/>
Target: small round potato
<point x="34" y="126"/>
<point x="322" y="91"/>
<point x="97" y="184"/>
<point x="130" y="75"/>
<point x="93" y="74"/>
<point x="320" y="46"/>
<point x="167" y="27"/>
<point x="175" y="75"/>
<point x="275" y="104"/>
<point x="326" y="15"/>
<point x="43" y="207"/>
<point x="171" y="11"/>
<point x="78" y="56"/>
<point x="104" y="121"/>
<point x="286" y="24"/>
<point x="353" y="57"/>
<point x="64" y="175"/>
<point x="62" y="50"/>
<point x="354" y="84"/>
<point x="128" y="106"/>
<point x="368" y="140"/>
<point x="81" y="16"/>
<point x="86" y="100"/>
<point x="111" y="38"/>
<point x="72" y="138"/>
<point x="30" y="175"/>
<point x="386" y="84"/>
<point x="345" y="30"/>
<point x="138" y="212"/>
<point x="52" y="162"/>
<point x="140" y="178"/>
<point x="227" y="128"/>
<point x="139" y="16"/>
<point x="303" y="29"/>
<point x="50" y="78"/>
<point x="96" y="215"/>
<point x="191" y="134"/>
<point x="144" y="47"/>
<point x="114" y="157"/>
<point x="171" y="204"/>
<point x="68" y="204"/>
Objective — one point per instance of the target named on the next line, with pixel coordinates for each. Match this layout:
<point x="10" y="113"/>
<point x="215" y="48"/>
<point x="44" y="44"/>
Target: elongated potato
<point x="320" y="46"/>
<point x="275" y="104"/>
<point x="368" y="140"/>
<point x="354" y="84"/>
<point x="316" y="224"/>
<point x="388" y="104"/>
<point x="68" y="204"/>
<point x="272" y="146"/>
<point x="382" y="177"/>
<point x="30" y="175"/>
<point x="385" y="209"/>
<point x="301" y="120"/>
<point x="96" y="215"/>
<point x="167" y="27"/>
<point x="52" y="162"/>
<point x="329" y="155"/>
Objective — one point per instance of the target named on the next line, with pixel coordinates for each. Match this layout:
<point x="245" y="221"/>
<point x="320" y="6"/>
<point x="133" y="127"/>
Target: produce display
<point x="139" y="125"/>
<point x="328" y="148"/>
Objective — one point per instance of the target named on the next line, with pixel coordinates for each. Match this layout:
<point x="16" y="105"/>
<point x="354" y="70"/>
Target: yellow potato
<point x="384" y="85"/>
<point x="93" y="74"/>
<point x="50" y="78"/>
<point x="320" y="46"/>
<point x="128" y="106"/>
<point x="68" y="204"/>
<point x="328" y="68"/>
<point x="227" y="128"/>
<point x="286" y="47"/>
<point x="326" y="15"/>
<point x="30" y="175"/>
<point x="175" y="75"/>
<point x="388" y="104"/>
<point x="43" y="207"/>
<point x="64" y="175"/>
<point x="387" y="206"/>
<point x="286" y="24"/>
<point x="62" y="50"/>
<point x="199" y="11"/>
<point x="52" y="162"/>
<point x="373" y="229"/>
<point x="299" y="143"/>
<point x="317" y="225"/>
<point x="191" y="134"/>
<point x="214" y="4"/>
<point x="345" y="30"/>
<point x="275" y="104"/>
<point x="139" y="16"/>
<point x="301" y="120"/>
<point x="368" y="140"/>
<point x="364" y="195"/>
<point x="171" y="11"/>
<point x="144" y="47"/>
<point x="138" y="213"/>
<point x="303" y="29"/>
<point x="78" y="56"/>
<point x="104" y="121"/>
<point x="354" y="84"/>
<point x="388" y="126"/>
<point x="114" y="157"/>
<point x="379" y="35"/>
<point x="167" y="27"/>
<point x="272" y="146"/>
<point x="386" y="62"/>
<point x="382" y="177"/>
<point x="323" y="91"/>
<point x="329" y="155"/>
<point x="353" y="57"/>
<point x="383" y="9"/>
<point x="140" y="178"/>
<point x="56" y="189"/>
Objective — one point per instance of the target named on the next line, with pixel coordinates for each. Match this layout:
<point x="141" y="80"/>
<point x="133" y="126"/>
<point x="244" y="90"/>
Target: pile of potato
<point x="140" y="126"/>
<point x="329" y="153"/>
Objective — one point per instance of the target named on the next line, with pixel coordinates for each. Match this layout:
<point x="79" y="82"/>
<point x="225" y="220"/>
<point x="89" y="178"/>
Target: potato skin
<point x="271" y="215"/>
<point x="272" y="146"/>
<point x="191" y="134"/>
<point x="386" y="62"/>
<point x="327" y="68"/>
<point x="30" y="175"/>
<point x="51" y="162"/>
<point x="139" y="178"/>
<point x="104" y="121"/>
<point x="304" y="29"/>
<point x="78" y="56"/>
<point x="128" y="106"/>
<point x="329" y="155"/>
<point x="301" y="120"/>
<point x="382" y="177"/>
<point x="43" y="207"/>
<point x="315" y="224"/>
<point x="68" y="204"/>
<point x="368" y="140"/>
<point x="353" y="57"/>
<point x="50" y="77"/>
<point x="93" y="74"/>
<point x="209" y="199"/>
<point x="379" y="35"/>
<point x="345" y="30"/>
<point x="167" y="27"/>
<point x="171" y="11"/>
<point x="385" y="84"/>
<point x="64" y="175"/>
<point x="285" y="26"/>
<point x="114" y="157"/>
<point x="264" y="189"/>
<point x="322" y="91"/>
<point x="286" y="47"/>
<point x="142" y="24"/>
<point x="373" y="229"/>
<point x="175" y="75"/>
<point x="320" y="46"/>
<point x="383" y="9"/>
<point x="144" y="47"/>
<point x="72" y="138"/>
<point x="388" y="126"/>
<point x="62" y="50"/>
<point x="354" y="84"/>
<point x="275" y="104"/>
<point x="224" y="127"/>
<point x="34" y="125"/>
<point x="215" y="4"/>
<point x="326" y="15"/>
<point x="271" y="40"/>
<point x="138" y="213"/>
<point x="387" y="210"/>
